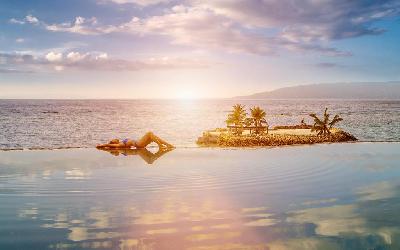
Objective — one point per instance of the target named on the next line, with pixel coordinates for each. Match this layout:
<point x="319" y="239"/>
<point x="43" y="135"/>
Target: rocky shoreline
<point x="223" y="138"/>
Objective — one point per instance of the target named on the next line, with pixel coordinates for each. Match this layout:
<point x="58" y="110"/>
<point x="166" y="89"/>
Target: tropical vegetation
<point x="323" y="126"/>
<point x="238" y="119"/>
<point x="258" y="117"/>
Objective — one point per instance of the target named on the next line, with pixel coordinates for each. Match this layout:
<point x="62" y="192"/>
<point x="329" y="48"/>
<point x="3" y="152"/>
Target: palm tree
<point x="237" y="117"/>
<point x="258" y="116"/>
<point x="323" y="126"/>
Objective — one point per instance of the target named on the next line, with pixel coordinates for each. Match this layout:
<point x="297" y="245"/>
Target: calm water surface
<point x="338" y="196"/>
<point x="74" y="123"/>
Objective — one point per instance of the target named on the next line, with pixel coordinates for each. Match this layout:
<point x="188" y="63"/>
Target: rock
<point x="226" y="139"/>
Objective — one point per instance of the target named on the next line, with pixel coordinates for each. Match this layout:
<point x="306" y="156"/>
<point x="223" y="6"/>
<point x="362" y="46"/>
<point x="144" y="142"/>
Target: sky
<point x="192" y="48"/>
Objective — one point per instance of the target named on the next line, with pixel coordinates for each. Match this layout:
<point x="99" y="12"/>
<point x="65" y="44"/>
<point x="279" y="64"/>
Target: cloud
<point x="31" y="19"/>
<point x="179" y="23"/>
<point x="28" y="19"/>
<point x="16" y="21"/>
<point x="73" y="60"/>
<point x="15" y="58"/>
<point x="309" y="20"/>
<point x="216" y="31"/>
<point x="76" y="56"/>
<point x="202" y="28"/>
<point x="19" y="40"/>
<point x="13" y="71"/>
<point x="137" y="2"/>
<point x="258" y="27"/>
<point x="80" y="25"/>
<point x="53" y="57"/>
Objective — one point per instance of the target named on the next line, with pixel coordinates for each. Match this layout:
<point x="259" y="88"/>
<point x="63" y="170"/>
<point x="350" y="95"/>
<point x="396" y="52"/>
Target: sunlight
<point x="187" y="94"/>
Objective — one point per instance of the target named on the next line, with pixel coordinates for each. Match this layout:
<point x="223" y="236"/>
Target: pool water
<point x="330" y="196"/>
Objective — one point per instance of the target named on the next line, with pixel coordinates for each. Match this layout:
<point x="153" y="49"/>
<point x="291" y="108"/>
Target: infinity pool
<point x="331" y="196"/>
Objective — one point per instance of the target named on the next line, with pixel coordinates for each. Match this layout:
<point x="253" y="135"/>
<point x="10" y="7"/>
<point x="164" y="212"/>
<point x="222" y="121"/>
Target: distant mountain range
<point x="384" y="90"/>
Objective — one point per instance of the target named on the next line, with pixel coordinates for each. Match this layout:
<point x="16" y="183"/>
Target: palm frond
<point x="237" y="117"/>
<point x="335" y="120"/>
<point x="326" y="116"/>
<point x="316" y="119"/>
<point x="323" y="126"/>
<point x="258" y="115"/>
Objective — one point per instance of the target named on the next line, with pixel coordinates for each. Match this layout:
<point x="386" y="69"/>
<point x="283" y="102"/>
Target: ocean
<point x="50" y="124"/>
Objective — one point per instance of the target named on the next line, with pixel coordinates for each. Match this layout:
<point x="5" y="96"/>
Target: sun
<point x="187" y="94"/>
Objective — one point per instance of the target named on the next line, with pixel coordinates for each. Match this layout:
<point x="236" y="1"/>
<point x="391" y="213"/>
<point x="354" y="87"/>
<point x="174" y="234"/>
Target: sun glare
<point x="187" y="94"/>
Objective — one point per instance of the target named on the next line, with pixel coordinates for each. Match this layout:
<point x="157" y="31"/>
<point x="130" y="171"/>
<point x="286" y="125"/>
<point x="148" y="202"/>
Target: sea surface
<point x="327" y="196"/>
<point x="84" y="123"/>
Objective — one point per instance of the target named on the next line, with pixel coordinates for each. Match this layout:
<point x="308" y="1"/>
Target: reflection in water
<point x="331" y="221"/>
<point x="207" y="225"/>
<point x="202" y="199"/>
<point x="30" y="212"/>
<point x="378" y="191"/>
<point x="371" y="222"/>
<point x="75" y="174"/>
<point x="144" y="153"/>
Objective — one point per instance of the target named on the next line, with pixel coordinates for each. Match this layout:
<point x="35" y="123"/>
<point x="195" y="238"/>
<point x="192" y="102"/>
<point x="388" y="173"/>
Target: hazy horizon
<point x="169" y="49"/>
<point x="282" y="89"/>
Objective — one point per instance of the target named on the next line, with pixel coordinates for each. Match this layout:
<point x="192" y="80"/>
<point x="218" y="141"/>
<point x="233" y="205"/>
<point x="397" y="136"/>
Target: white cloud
<point x="16" y="21"/>
<point x="80" y="25"/>
<point x="308" y="20"/>
<point x="79" y="20"/>
<point x="28" y="19"/>
<point x="102" y="56"/>
<point x="212" y="31"/>
<point x="202" y="28"/>
<point x="245" y="26"/>
<point x="54" y="57"/>
<point x="138" y="2"/>
<point x="31" y="19"/>
<point x="207" y="29"/>
<point x="97" y="61"/>
<point x="19" y="40"/>
<point x="76" y="56"/>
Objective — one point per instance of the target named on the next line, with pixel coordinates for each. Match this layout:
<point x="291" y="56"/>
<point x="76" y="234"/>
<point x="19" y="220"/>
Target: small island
<point x="244" y="131"/>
